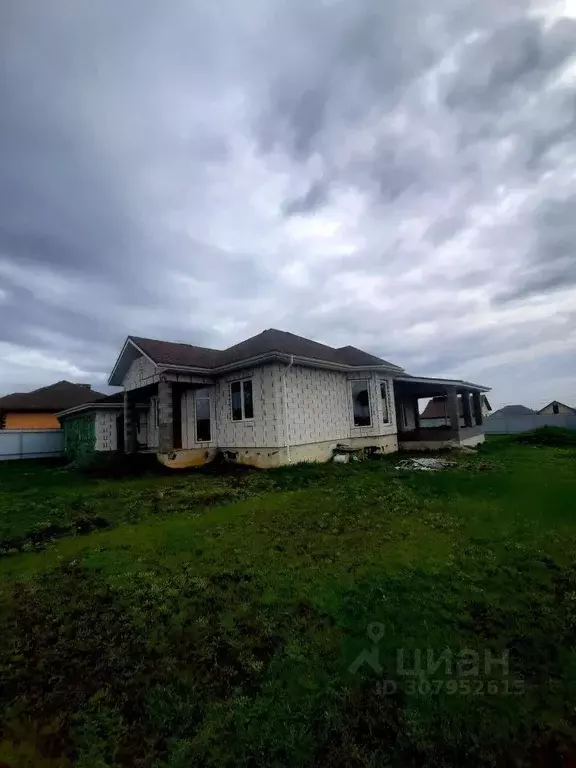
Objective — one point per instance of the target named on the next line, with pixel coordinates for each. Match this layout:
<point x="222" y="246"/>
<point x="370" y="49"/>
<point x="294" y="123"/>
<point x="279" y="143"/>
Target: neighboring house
<point x="556" y="408"/>
<point x="509" y="411"/>
<point x="38" y="409"/>
<point x="274" y="399"/>
<point x="99" y="426"/>
<point x="436" y="413"/>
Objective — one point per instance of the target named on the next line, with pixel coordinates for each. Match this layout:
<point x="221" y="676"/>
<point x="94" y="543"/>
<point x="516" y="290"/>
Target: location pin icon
<point x="375" y="631"/>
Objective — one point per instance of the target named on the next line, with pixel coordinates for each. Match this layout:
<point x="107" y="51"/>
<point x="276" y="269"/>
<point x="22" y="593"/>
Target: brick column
<point x="129" y="424"/>
<point x="467" y="409"/>
<point x="452" y="409"/>
<point x="477" y="401"/>
<point x="165" y="418"/>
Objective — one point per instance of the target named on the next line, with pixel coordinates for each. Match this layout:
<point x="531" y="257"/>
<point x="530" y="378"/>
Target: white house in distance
<point x="275" y="399"/>
<point x="556" y="408"/>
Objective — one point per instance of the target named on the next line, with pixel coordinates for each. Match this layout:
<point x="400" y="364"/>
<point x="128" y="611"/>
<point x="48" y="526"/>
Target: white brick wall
<point x="106" y="436"/>
<point x="140" y="373"/>
<point x="262" y="430"/>
<point x="320" y="406"/>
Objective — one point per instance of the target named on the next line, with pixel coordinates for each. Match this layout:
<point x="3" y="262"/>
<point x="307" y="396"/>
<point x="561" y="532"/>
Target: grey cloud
<point x="517" y="56"/>
<point x="125" y="131"/>
<point x="552" y="262"/>
<point x="315" y="198"/>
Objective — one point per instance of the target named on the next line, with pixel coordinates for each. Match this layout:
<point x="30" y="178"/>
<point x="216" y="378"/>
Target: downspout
<point x="286" y="426"/>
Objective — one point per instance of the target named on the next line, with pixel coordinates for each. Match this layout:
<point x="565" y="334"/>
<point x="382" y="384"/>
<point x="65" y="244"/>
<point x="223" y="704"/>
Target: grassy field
<point x="178" y="620"/>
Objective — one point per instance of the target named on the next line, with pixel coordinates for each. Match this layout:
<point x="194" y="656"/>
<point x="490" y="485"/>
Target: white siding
<point x="140" y="373"/>
<point x="316" y="404"/>
<point x="563" y="410"/>
<point x="106" y="435"/>
<point x="320" y="406"/>
<point x="260" y="432"/>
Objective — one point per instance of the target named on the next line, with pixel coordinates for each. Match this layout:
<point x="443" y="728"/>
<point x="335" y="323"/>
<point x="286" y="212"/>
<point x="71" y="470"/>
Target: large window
<point x="203" y="427"/>
<point x="385" y="408"/>
<point x="361" y="403"/>
<point x="241" y="399"/>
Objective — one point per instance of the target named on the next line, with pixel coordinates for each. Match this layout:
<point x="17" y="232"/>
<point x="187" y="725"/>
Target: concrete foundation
<point x="187" y="457"/>
<point x="266" y="458"/>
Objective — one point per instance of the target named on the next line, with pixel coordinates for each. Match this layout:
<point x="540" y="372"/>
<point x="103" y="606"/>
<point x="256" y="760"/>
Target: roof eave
<point x="96" y="407"/>
<point x="273" y="356"/>
<point x="129" y="340"/>
<point x="90" y="407"/>
<point x="299" y="360"/>
<point x="446" y="382"/>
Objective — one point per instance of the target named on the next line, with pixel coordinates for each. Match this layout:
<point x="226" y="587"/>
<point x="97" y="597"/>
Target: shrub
<point x="554" y="436"/>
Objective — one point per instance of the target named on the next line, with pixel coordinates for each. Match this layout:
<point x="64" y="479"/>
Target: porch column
<point x="477" y="401"/>
<point x="467" y="409"/>
<point x="165" y="418"/>
<point x="130" y="426"/>
<point x="452" y="409"/>
<point x="416" y="413"/>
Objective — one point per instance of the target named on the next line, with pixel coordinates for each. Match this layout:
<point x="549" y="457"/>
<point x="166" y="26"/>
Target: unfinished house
<point x="278" y="398"/>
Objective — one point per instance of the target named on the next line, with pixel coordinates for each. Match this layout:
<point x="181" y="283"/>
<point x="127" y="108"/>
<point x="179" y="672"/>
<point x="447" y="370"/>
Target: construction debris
<point x="454" y="445"/>
<point x="425" y="465"/>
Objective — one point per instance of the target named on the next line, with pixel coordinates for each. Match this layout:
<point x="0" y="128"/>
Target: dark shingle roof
<point x="271" y="340"/>
<point x="172" y="353"/>
<point x="52" y="399"/>
<point x="436" y="408"/>
<point x="513" y="410"/>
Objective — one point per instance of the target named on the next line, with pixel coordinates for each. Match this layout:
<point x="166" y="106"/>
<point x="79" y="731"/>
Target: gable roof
<point x="557" y="402"/>
<point x="513" y="410"/>
<point x="268" y="343"/>
<point x="53" y="398"/>
<point x="173" y="353"/>
<point x="273" y="340"/>
<point x="436" y="408"/>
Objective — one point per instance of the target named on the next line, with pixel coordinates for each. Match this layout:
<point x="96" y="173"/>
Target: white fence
<point x="513" y="424"/>
<point x="31" y="443"/>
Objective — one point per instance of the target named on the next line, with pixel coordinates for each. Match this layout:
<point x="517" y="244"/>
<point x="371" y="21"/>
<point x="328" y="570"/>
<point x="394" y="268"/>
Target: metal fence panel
<point x="31" y="443"/>
<point x="514" y="424"/>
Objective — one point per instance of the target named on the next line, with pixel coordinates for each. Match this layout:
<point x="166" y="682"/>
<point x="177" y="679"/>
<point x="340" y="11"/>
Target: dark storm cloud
<point x="518" y="56"/>
<point x="552" y="261"/>
<point x="315" y="198"/>
<point x="397" y="178"/>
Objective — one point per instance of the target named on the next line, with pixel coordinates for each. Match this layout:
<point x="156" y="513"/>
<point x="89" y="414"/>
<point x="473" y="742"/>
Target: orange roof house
<point x="38" y="409"/>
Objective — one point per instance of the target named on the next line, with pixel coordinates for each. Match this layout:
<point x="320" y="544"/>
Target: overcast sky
<point x="398" y="175"/>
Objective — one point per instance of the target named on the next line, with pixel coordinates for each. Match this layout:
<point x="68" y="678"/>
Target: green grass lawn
<point x="205" y="619"/>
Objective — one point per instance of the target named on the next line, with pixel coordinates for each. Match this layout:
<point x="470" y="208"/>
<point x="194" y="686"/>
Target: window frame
<point x="371" y="422"/>
<point x="385" y="398"/>
<point x="207" y="397"/>
<point x="156" y="412"/>
<point x="241" y="382"/>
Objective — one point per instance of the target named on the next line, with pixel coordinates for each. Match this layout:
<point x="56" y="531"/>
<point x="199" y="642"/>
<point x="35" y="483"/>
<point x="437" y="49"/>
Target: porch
<point x="170" y="416"/>
<point x="463" y="408"/>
